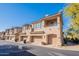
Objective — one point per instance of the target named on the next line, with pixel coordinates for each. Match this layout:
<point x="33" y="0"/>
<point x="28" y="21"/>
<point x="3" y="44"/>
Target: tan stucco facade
<point x="2" y="35"/>
<point x="48" y="34"/>
<point x="12" y="34"/>
<point x="46" y="31"/>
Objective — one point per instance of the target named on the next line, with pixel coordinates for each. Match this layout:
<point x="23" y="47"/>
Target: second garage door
<point x="37" y="39"/>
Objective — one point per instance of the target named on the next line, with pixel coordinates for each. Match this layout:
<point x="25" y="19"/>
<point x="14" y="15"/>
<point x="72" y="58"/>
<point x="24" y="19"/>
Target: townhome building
<point x="46" y="31"/>
<point x="2" y="35"/>
<point x="26" y="32"/>
<point x="7" y="35"/>
<point x="13" y="33"/>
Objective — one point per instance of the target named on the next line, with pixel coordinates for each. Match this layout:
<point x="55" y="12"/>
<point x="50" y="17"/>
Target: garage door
<point x="13" y="38"/>
<point x="37" y="40"/>
<point x="52" y="39"/>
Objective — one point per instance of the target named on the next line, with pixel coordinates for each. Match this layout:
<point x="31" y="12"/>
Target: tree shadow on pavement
<point x="11" y="50"/>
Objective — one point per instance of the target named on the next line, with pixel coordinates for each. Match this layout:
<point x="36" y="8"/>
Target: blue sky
<point x="12" y="15"/>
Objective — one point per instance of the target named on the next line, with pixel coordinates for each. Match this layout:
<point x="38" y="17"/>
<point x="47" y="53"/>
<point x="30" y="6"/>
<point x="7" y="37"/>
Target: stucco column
<point x="9" y="38"/>
<point x="45" y="38"/>
<point x="19" y="38"/>
<point x="59" y="34"/>
<point x="28" y="38"/>
<point x="5" y="38"/>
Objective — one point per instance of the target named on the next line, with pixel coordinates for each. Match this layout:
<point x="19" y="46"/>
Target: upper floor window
<point x="53" y="23"/>
<point x="49" y="23"/>
<point x="38" y="25"/>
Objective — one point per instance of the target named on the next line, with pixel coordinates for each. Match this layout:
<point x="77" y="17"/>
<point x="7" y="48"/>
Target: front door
<point x="49" y="39"/>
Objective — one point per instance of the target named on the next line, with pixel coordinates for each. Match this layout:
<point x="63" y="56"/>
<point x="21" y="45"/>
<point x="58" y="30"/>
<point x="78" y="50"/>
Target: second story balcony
<point x="26" y="29"/>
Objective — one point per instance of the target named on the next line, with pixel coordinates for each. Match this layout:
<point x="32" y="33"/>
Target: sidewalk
<point x="73" y="48"/>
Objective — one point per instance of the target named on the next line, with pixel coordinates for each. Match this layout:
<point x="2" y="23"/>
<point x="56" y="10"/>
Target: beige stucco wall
<point x="52" y="30"/>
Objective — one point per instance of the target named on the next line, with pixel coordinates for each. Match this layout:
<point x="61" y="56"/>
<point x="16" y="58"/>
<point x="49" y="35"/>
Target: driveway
<point x="19" y="49"/>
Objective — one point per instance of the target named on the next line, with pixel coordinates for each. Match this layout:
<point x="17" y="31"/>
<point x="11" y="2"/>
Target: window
<point x="39" y="25"/>
<point x="42" y="23"/>
<point x="53" y="23"/>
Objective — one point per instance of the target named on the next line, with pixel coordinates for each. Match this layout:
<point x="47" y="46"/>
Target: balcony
<point x="50" y="30"/>
<point x="23" y="34"/>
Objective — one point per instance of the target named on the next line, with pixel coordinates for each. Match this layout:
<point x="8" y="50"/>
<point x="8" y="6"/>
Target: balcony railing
<point x="51" y="30"/>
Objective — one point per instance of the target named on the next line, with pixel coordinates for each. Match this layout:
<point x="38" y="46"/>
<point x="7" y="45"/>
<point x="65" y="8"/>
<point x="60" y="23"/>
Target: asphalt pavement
<point x="8" y="48"/>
